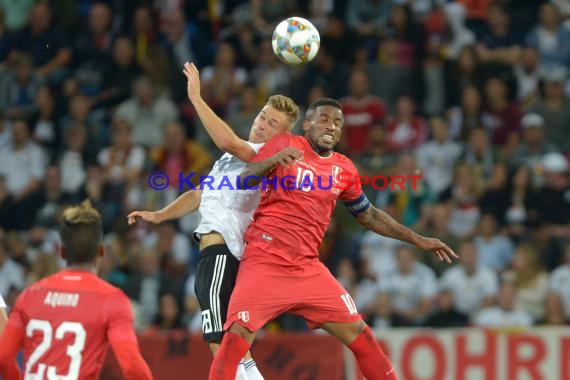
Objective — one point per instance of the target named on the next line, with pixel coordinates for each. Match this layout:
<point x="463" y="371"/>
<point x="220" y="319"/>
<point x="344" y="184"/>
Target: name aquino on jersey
<point x="56" y="299"/>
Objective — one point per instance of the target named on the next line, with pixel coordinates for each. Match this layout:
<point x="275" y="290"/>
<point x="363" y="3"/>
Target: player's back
<point x="68" y="319"/>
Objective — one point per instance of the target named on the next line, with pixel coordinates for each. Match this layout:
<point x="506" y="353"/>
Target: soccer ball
<point x="296" y="40"/>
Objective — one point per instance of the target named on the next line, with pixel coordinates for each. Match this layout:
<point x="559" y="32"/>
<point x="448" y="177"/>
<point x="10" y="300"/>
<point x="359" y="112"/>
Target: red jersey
<point x="358" y="118"/>
<point x="65" y="323"/>
<point x="294" y="221"/>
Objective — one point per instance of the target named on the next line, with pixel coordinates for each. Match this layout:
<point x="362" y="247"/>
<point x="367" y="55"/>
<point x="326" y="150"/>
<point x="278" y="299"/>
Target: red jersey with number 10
<point x="67" y="321"/>
<point x="295" y="210"/>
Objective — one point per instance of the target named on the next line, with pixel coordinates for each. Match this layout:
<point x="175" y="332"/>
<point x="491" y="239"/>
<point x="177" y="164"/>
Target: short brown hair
<point x="81" y="233"/>
<point x="286" y="105"/>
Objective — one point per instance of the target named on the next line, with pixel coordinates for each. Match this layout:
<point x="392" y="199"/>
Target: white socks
<point x="241" y="374"/>
<point x="252" y="370"/>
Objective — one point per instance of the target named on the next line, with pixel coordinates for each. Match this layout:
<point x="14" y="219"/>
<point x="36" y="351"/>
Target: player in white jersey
<point x="226" y="211"/>
<point x="3" y="316"/>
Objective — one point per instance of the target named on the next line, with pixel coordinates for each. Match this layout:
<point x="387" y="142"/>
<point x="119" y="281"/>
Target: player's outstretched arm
<point x="255" y="171"/>
<point x="10" y="343"/>
<point x="185" y="204"/>
<point x="380" y="222"/>
<point x="224" y="137"/>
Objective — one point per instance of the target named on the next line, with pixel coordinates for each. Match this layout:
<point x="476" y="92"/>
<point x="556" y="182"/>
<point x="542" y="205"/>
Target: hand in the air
<point x="193" y="77"/>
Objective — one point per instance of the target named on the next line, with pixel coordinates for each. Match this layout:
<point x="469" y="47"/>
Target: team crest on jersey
<point x="243" y="316"/>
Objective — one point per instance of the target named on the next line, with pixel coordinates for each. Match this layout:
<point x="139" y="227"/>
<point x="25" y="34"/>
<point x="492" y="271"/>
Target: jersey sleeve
<point x="122" y="337"/>
<point x="2" y="303"/>
<point x="119" y="315"/>
<point x="272" y="147"/>
<point x="11" y="341"/>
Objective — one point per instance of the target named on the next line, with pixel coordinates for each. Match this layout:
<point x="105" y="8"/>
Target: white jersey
<point x="224" y="208"/>
<point x="2" y="303"/>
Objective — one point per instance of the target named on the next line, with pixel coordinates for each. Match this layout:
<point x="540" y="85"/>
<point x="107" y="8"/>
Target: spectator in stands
<point x="361" y="289"/>
<point x="17" y="14"/>
<point x="144" y="31"/>
<point x="550" y="38"/>
<point x="169" y="316"/>
<point x="45" y="125"/>
<point x="437" y="157"/>
<point x="551" y="205"/>
<point x="555" y="108"/>
<point x="267" y="15"/>
<point x="510" y="204"/>
<point x="407" y="130"/>
<point x="383" y="315"/>
<point x="437" y="216"/>
<point x="269" y="75"/>
<point x="177" y="155"/>
<point x="465" y="72"/>
<point x="533" y="146"/>
<point x="375" y="159"/>
<point x="388" y="78"/>
<point x="459" y="35"/>
<point x="530" y="280"/>
<point x="242" y="115"/>
<point x="408" y="201"/>
<point x="93" y="49"/>
<point x="19" y="88"/>
<point x="122" y="164"/>
<point x="73" y="161"/>
<point x="23" y="166"/>
<point x="173" y="247"/>
<point x="243" y="36"/>
<point x="40" y="33"/>
<point x="501" y="117"/>
<point x="462" y="199"/>
<point x="558" y="301"/>
<point x="485" y="158"/>
<point x="360" y="109"/>
<point x="368" y="18"/>
<point x="473" y="286"/>
<point x="412" y="287"/>
<point x="495" y="250"/>
<point x="148" y="112"/>
<point x="467" y="116"/>
<point x="11" y="273"/>
<point x="430" y="74"/>
<point x="222" y="82"/>
<point x="506" y="314"/>
<point x="446" y="314"/>
<point x="499" y="43"/>
<point x="378" y="255"/>
<point x="119" y="76"/>
<point x="527" y="74"/>
<point x="147" y="284"/>
<point x="81" y="113"/>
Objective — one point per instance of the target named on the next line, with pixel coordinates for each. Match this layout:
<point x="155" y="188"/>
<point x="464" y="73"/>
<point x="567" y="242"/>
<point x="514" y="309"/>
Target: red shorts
<point x="264" y="291"/>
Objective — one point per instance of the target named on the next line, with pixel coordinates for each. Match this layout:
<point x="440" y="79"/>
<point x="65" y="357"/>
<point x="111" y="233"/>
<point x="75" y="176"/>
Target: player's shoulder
<point x="343" y="161"/>
<point x="283" y="139"/>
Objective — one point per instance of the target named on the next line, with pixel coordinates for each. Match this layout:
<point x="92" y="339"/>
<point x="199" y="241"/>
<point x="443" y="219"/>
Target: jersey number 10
<point x="73" y="351"/>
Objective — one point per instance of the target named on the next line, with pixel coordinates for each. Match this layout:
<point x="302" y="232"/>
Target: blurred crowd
<point x="473" y="95"/>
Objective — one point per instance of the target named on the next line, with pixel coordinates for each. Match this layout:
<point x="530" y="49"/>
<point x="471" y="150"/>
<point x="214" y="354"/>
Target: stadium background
<point x="473" y="94"/>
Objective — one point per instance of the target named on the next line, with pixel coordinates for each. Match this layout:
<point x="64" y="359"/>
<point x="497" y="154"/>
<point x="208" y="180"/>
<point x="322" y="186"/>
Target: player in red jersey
<point x="280" y="271"/>
<point x="65" y="322"/>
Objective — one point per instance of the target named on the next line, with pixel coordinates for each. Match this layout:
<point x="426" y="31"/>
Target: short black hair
<point x="81" y="233"/>
<point x="323" y="102"/>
